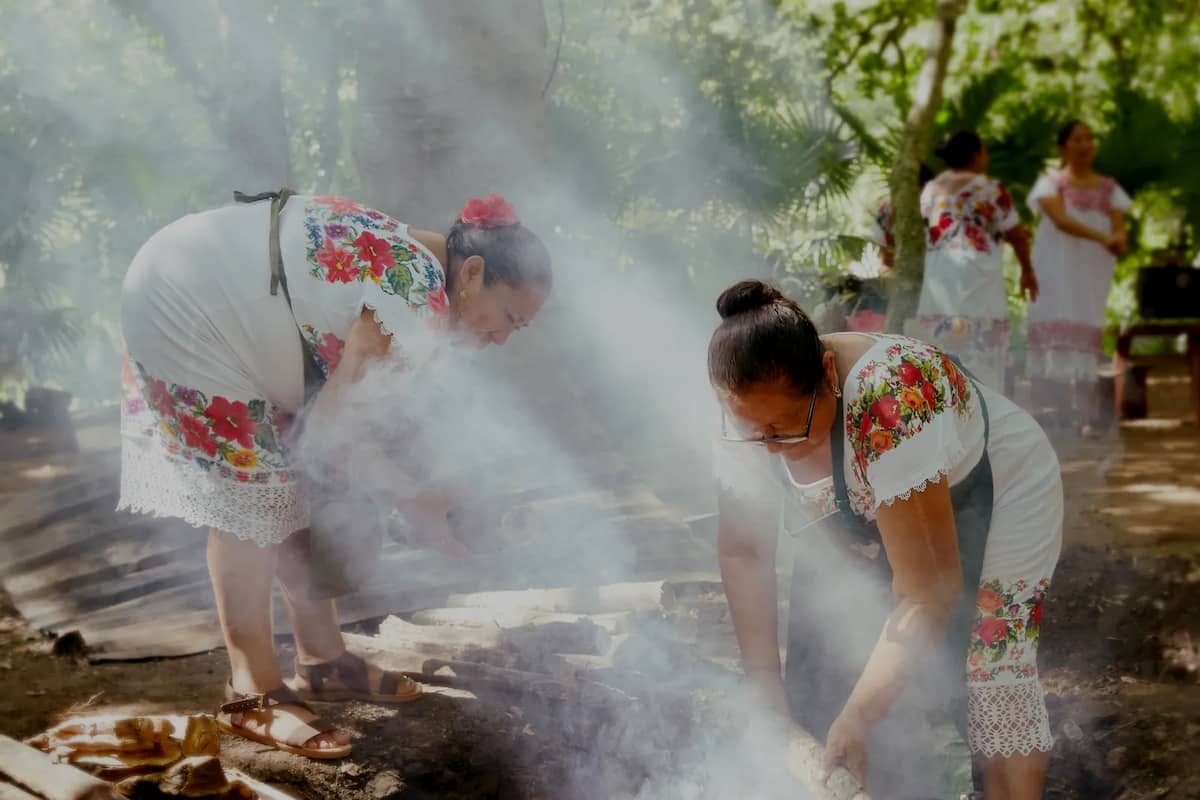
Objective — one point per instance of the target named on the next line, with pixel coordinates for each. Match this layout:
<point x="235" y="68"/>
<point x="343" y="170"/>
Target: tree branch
<point x="908" y="228"/>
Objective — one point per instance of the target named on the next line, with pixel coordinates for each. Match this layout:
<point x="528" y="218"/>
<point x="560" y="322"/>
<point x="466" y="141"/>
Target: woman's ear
<point x="471" y="273"/>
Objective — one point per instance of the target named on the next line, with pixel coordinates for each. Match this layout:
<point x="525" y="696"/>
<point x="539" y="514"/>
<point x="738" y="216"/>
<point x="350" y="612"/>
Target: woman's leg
<point x="242" y="576"/>
<point x="1016" y="777"/>
<point x="314" y="622"/>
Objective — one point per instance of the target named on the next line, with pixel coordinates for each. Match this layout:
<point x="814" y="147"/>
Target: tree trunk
<point x="908" y="229"/>
<point x="449" y="105"/>
<point x="255" y="123"/>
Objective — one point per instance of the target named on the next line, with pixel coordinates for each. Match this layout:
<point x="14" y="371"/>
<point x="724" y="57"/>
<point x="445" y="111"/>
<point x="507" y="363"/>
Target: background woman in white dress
<point x="1081" y="233"/>
<point x="964" y="299"/>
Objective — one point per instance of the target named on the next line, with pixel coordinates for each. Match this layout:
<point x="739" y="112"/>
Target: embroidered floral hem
<point x="1006" y="710"/>
<point x="211" y="461"/>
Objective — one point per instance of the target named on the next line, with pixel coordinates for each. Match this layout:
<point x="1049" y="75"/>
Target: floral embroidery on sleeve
<point x="898" y="396"/>
<point x="326" y="347"/>
<point x="348" y="243"/>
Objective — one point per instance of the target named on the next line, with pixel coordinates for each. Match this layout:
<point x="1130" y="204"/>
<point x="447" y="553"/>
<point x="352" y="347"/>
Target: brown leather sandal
<point x="355" y="680"/>
<point x="236" y="706"/>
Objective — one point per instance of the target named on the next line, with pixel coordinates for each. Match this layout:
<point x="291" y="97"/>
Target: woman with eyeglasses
<point x="945" y="508"/>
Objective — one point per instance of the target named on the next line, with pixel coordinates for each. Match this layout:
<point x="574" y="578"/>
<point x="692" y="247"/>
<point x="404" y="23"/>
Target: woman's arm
<point x="1120" y="245"/>
<point x="1054" y="208"/>
<point x="746" y="545"/>
<point x="365" y="341"/>
<point x="922" y="548"/>
<point x="428" y="509"/>
<point x="1018" y="239"/>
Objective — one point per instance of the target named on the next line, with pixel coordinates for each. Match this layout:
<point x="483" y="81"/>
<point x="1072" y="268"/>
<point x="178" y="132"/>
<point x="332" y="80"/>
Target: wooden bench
<point x="1130" y="381"/>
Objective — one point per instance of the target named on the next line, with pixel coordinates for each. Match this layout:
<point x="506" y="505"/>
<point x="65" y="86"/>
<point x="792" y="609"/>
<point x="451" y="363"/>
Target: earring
<point x="836" y="391"/>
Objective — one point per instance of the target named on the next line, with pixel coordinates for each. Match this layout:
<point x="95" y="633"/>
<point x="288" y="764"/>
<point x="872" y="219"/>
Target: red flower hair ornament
<point x="492" y="211"/>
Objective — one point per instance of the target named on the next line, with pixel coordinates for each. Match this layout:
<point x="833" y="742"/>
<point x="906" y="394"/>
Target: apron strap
<point x="312" y="378"/>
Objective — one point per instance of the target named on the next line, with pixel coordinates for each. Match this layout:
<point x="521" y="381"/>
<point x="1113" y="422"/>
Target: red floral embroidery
<point x="348" y="243"/>
<point x="376" y="252"/>
<point x="160" y="398"/>
<point x="897" y="397"/>
<point x="945" y="222"/>
<point x="339" y="205"/>
<point x="1096" y="198"/>
<point x="339" y="264"/>
<point x="992" y="630"/>
<point x="196" y="434"/>
<point x="908" y="374"/>
<point x="977" y="237"/>
<point x="438" y="303"/>
<point x="1008" y="616"/>
<point x="231" y="421"/>
<point x="1004" y="199"/>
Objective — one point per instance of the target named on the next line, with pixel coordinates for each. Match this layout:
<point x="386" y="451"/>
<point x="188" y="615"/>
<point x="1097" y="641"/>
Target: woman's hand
<point x="846" y="744"/>
<point x="429" y="523"/>
<point x="1029" y="285"/>
<point x="1116" y="243"/>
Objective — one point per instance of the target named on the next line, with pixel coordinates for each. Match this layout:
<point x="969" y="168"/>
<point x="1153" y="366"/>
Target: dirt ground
<point x="1119" y="662"/>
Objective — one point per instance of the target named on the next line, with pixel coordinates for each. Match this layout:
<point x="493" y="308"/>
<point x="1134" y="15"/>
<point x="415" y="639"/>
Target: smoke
<point x="129" y="113"/>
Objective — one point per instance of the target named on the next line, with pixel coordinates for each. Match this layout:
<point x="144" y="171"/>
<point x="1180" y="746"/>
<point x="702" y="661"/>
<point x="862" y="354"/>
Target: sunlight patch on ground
<point x="45" y="472"/>
<point x="1170" y="493"/>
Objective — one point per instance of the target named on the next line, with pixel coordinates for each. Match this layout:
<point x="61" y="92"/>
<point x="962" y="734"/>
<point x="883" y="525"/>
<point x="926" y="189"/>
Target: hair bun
<point x="746" y="296"/>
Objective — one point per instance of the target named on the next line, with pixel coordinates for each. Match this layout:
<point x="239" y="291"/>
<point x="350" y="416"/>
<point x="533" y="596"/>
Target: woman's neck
<point x="1080" y="172"/>
<point x="434" y="243"/>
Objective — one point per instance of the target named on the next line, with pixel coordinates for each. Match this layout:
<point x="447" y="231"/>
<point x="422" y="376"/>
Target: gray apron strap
<point x="313" y="380"/>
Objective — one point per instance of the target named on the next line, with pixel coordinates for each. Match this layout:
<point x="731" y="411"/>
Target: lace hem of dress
<point x="1008" y="718"/>
<point x="919" y="486"/>
<point x="1061" y="364"/>
<point x="165" y="487"/>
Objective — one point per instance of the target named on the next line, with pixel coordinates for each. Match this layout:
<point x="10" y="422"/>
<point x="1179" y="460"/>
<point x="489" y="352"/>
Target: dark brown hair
<point x="512" y="254"/>
<point x="959" y="148"/>
<point x="1064" y="133"/>
<point x="763" y="336"/>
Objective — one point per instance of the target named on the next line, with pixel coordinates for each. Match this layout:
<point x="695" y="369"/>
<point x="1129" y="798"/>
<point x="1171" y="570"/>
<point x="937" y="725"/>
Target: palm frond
<point x="970" y="110"/>
<point x="29" y="336"/>
<point x="801" y="158"/>
<point x="831" y="252"/>
<point x="1141" y="141"/>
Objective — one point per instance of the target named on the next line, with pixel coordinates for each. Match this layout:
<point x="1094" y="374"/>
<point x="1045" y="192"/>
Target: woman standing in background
<point x="964" y="299"/>
<point x="1081" y="233"/>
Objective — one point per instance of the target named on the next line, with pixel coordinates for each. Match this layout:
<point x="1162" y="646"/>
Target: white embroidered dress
<point x="1066" y="324"/>
<point x="964" y="300"/>
<point x="910" y="418"/>
<point x="213" y="373"/>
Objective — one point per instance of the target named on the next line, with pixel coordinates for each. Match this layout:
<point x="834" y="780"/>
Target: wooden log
<point x="10" y="792"/>
<point x="641" y="596"/>
<point x="614" y="622"/>
<point x="805" y="762"/>
<point x="261" y="790"/>
<point x="36" y="772"/>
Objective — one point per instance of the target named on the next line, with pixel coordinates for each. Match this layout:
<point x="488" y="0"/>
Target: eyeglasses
<point x="765" y="440"/>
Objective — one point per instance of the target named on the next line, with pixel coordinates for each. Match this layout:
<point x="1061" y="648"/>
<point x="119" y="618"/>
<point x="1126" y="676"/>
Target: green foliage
<point x="718" y="131"/>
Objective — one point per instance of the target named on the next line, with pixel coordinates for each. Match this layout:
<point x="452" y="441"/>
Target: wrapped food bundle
<point x="195" y="776"/>
<point x="112" y="745"/>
